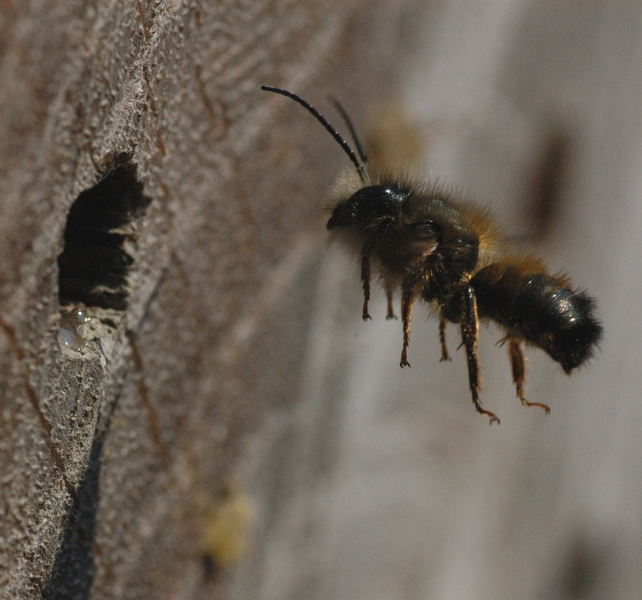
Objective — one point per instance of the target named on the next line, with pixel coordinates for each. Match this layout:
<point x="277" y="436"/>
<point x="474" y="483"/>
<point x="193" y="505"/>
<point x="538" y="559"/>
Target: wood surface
<point x="234" y="386"/>
<point x="113" y="454"/>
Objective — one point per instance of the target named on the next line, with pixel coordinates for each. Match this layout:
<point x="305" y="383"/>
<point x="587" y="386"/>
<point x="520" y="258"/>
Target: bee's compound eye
<point x="368" y="207"/>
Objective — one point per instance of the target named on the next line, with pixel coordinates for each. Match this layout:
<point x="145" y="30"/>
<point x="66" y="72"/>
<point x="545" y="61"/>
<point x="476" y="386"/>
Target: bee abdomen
<point x="541" y="309"/>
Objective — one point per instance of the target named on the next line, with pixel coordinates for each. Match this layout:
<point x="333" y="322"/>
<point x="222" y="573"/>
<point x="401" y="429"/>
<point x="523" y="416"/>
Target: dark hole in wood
<point x="586" y="571"/>
<point x="583" y="568"/>
<point x="94" y="264"/>
<point x="549" y="181"/>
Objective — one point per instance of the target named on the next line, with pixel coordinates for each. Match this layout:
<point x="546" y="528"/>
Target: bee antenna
<point x="331" y="130"/>
<point x="353" y="132"/>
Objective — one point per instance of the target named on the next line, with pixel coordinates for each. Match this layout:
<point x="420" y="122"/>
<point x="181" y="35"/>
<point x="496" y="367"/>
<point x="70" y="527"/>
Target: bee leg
<point x="469" y="335"/>
<point x="517" y="366"/>
<point x="365" y="278"/>
<point x="442" y="339"/>
<point x="407" y="300"/>
<point x="391" y="312"/>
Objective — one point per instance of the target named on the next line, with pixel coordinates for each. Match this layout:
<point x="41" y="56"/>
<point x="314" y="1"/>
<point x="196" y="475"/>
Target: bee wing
<point x="423" y="238"/>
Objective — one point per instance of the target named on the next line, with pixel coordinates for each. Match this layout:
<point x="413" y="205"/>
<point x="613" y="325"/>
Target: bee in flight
<point x="419" y="240"/>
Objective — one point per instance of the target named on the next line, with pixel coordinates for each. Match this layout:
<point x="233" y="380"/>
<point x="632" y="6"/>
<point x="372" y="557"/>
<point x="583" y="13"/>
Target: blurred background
<point x="385" y="483"/>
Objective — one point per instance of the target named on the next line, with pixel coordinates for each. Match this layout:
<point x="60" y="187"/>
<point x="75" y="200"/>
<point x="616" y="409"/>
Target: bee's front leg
<point x="365" y="278"/>
<point x="391" y="311"/>
<point x="442" y="339"/>
<point x="407" y="300"/>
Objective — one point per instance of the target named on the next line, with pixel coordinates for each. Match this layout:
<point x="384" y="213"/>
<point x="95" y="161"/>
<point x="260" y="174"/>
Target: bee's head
<point x="369" y="208"/>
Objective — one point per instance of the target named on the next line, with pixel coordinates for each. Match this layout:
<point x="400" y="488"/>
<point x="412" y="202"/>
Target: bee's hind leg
<point x="518" y="368"/>
<point x="470" y="335"/>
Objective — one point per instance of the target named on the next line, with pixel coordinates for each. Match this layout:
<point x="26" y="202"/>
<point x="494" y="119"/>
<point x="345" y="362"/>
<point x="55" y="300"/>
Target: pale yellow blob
<point x="395" y="140"/>
<point x="228" y="529"/>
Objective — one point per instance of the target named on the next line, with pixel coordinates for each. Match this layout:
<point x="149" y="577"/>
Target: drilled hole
<point x="584" y="569"/>
<point x="100" y="233"/>
<point x="549" y="180"/>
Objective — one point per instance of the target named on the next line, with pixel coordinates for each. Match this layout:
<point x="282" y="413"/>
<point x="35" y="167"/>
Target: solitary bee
<point x="421" y="241"/>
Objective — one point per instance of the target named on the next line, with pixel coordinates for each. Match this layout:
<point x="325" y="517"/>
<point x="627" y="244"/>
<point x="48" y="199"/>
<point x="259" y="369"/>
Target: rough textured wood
<point x="109" y="455"/>
<point x="367" y="481"/>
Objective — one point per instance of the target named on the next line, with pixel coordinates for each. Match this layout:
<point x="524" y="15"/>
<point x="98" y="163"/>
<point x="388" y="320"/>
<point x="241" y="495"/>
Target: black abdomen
<point x="540" y="309"/>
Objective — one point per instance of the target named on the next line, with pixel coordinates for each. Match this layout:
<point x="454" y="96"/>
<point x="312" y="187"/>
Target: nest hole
<point x="100" y="237"/>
